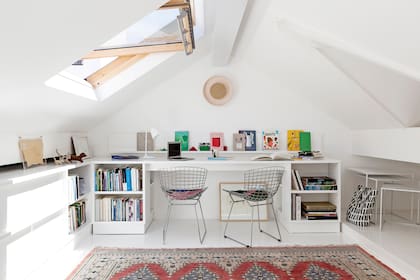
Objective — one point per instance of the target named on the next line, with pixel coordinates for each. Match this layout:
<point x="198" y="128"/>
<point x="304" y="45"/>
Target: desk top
<point x="401" y="188"/>
<point x="367" y="171"/>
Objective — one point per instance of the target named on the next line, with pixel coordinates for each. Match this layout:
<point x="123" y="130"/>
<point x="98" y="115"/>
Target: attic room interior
<point x="306" y="111"/>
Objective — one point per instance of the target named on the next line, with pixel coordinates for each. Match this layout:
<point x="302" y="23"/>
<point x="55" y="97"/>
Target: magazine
<point x="274" y="156"/>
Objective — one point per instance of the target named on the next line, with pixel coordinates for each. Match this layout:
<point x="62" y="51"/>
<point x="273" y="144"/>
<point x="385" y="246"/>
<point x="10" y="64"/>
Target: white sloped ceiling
<point x="289" y="43"/>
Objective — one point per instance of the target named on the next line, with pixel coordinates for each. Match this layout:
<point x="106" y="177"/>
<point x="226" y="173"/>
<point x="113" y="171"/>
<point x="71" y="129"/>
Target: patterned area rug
<point x="314" y="263"/>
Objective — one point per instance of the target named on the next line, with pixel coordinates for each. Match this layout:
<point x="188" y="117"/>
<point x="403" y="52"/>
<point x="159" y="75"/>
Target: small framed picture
<point x="80" y="144"/>
<point x="250" y="140"/>
<point x="270" y="140"/>
<point x="216" y="140"/>
<point x="241" y="210"/>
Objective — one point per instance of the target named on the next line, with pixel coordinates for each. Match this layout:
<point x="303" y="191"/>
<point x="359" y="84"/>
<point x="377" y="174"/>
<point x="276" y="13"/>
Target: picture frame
<point x="216" y="141"/>
<point x="31" y="151"/>
<point x="239" y="140"/>
<point x="80" y="145"/>
<point x="183" y="138"/>
<point x="250" y="141"/>
<point x="241" y="212"/>
<point x="271" y="140"/>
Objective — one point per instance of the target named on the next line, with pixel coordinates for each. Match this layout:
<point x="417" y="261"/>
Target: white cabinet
<point x="314" y="168"/>
<point x="121" y="200"/>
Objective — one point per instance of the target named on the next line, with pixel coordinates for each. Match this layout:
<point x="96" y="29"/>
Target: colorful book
<point x="305" y="141"/>
<point x="293" y="140"/>
<point x="271" y="140"/>
<point x="183" y="138"/>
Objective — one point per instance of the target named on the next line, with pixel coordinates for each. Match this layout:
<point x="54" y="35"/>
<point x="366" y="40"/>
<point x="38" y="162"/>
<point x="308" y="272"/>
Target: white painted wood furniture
<point x="400" y="188"/>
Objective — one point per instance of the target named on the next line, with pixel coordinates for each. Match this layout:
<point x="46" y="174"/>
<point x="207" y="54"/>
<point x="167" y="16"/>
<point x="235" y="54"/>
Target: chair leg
<point x="165" y="227"/>
<point x="201" y="238"/>
<point x="277" y="225"/>
<point x="226" y="226"/>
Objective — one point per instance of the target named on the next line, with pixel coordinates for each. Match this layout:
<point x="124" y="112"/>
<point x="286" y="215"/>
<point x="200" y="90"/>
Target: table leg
<point x="381" y="210"/>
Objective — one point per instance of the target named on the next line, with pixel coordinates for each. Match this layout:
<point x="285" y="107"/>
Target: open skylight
<point x="172" y="28"/>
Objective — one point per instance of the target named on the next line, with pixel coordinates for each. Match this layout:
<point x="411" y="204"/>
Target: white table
<point x="399" y="188"/>
<point x="382" y="176"/>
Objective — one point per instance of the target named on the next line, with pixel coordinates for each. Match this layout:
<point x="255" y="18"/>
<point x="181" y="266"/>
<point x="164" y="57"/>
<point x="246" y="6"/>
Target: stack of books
<point x="319" y="210"/>
<point x="318" y="183"/>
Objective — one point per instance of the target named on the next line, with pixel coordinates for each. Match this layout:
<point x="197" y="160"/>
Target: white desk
<point x="399" y="188"/>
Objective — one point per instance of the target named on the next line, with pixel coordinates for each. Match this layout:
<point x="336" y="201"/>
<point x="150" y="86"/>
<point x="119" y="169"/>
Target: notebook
<point x="174" y="151"/>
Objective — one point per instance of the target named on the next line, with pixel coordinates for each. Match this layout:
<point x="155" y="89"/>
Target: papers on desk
<point x="217" y="158"/>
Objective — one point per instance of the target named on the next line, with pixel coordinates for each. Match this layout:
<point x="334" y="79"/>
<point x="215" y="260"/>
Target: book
<point x="298" y="207"/>
<point x="238" y="142"/>
<point x="318" y="206"/>
<point x="299" y="180"/>
<point x="273" y="156"/>
<point x="305" y="141"/>
<point x="183" y="138"/>
<point x="293" y="140"/>
<point x="250" y="140"/>
<point x="295" y="185"/>
<point x="270" y="140"/>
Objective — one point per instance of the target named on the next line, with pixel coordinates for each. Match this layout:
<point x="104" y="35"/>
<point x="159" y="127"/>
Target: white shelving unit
<point x="83" y="174"/>
<point x="325" y="167"/>
<point x="121" y="227"/>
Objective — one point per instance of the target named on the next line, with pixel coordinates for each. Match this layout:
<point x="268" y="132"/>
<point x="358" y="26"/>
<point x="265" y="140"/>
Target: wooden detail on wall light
<point x="175" y="4"/>
<point x="112" y="69"/>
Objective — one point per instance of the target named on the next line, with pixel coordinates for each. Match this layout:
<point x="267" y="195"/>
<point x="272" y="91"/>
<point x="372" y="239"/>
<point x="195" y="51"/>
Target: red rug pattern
<point x="312" y="263"/>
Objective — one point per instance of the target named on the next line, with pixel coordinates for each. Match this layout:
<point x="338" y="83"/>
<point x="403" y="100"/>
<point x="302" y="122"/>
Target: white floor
<point x="395" y="252"/>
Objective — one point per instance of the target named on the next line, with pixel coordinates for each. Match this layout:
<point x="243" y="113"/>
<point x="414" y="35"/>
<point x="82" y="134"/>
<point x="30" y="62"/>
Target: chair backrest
<point x="182" y="178"/>
<point x="262" y="183"/>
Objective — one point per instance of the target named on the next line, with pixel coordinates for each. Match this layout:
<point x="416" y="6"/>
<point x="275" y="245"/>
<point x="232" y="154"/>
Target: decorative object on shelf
<point x="216" y="140"/>
<point x="145" y="141"/>
<point x="182" y="137"/>
<point x="31" y="151"/>
<point x="204" y="146"/>
<point x="250" y="140"/>
<point x="217" y="90"/>
<point x="241" y="212"/>
<point x="77" y="157"/>
<point x="239" y="140"/>
<point x="60" y="159"/>
<point x="293" y="140"/>
<point x="193" y="149"/>
<point x="362" y="204"/>
<point x="270" y="140"/>
<point x="80" y="145"/>
<point x="305" y="141"/>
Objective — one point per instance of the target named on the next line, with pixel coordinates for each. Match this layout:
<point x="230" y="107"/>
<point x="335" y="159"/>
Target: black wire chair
<point x="260" y="185"/>
<point x="184" y="186"/>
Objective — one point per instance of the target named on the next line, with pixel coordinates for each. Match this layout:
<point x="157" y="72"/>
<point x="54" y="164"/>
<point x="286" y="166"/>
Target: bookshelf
<point x="120" y="198"/>
<point x="325" y="222"/>
<point x="78" y="191"/>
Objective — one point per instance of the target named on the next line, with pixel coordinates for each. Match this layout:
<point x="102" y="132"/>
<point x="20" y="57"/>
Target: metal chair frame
<point x="260" y="186"/>
<point x="177" y="181"/>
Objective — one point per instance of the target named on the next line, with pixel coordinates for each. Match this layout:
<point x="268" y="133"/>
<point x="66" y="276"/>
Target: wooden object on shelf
<point x="31" y="151"/>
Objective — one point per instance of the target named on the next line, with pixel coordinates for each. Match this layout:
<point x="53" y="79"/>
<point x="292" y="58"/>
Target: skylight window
<point x="133" y="52"/>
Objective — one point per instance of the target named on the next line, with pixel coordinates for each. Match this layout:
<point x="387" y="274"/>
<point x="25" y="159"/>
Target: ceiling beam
<point x="112" y="69"/>
<point x="134" y="50"/>
<point x="228" y="23"/>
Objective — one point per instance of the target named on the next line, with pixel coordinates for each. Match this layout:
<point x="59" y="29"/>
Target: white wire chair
<point x="184" y="186"/>
<point x="260" y="186"/>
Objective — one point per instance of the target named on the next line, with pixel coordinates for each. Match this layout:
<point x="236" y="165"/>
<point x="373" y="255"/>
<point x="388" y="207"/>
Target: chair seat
<point x="252" y="195"/>
<point x="180" y="194"/>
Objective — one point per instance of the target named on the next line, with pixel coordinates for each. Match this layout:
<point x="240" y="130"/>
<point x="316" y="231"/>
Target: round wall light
<point x="217" y="90"/>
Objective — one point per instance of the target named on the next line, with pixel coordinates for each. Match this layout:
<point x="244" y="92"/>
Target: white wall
<point x="259" y="102"/>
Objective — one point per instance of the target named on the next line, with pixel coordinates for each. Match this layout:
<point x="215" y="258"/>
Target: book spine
<point x="298" y="207"/>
